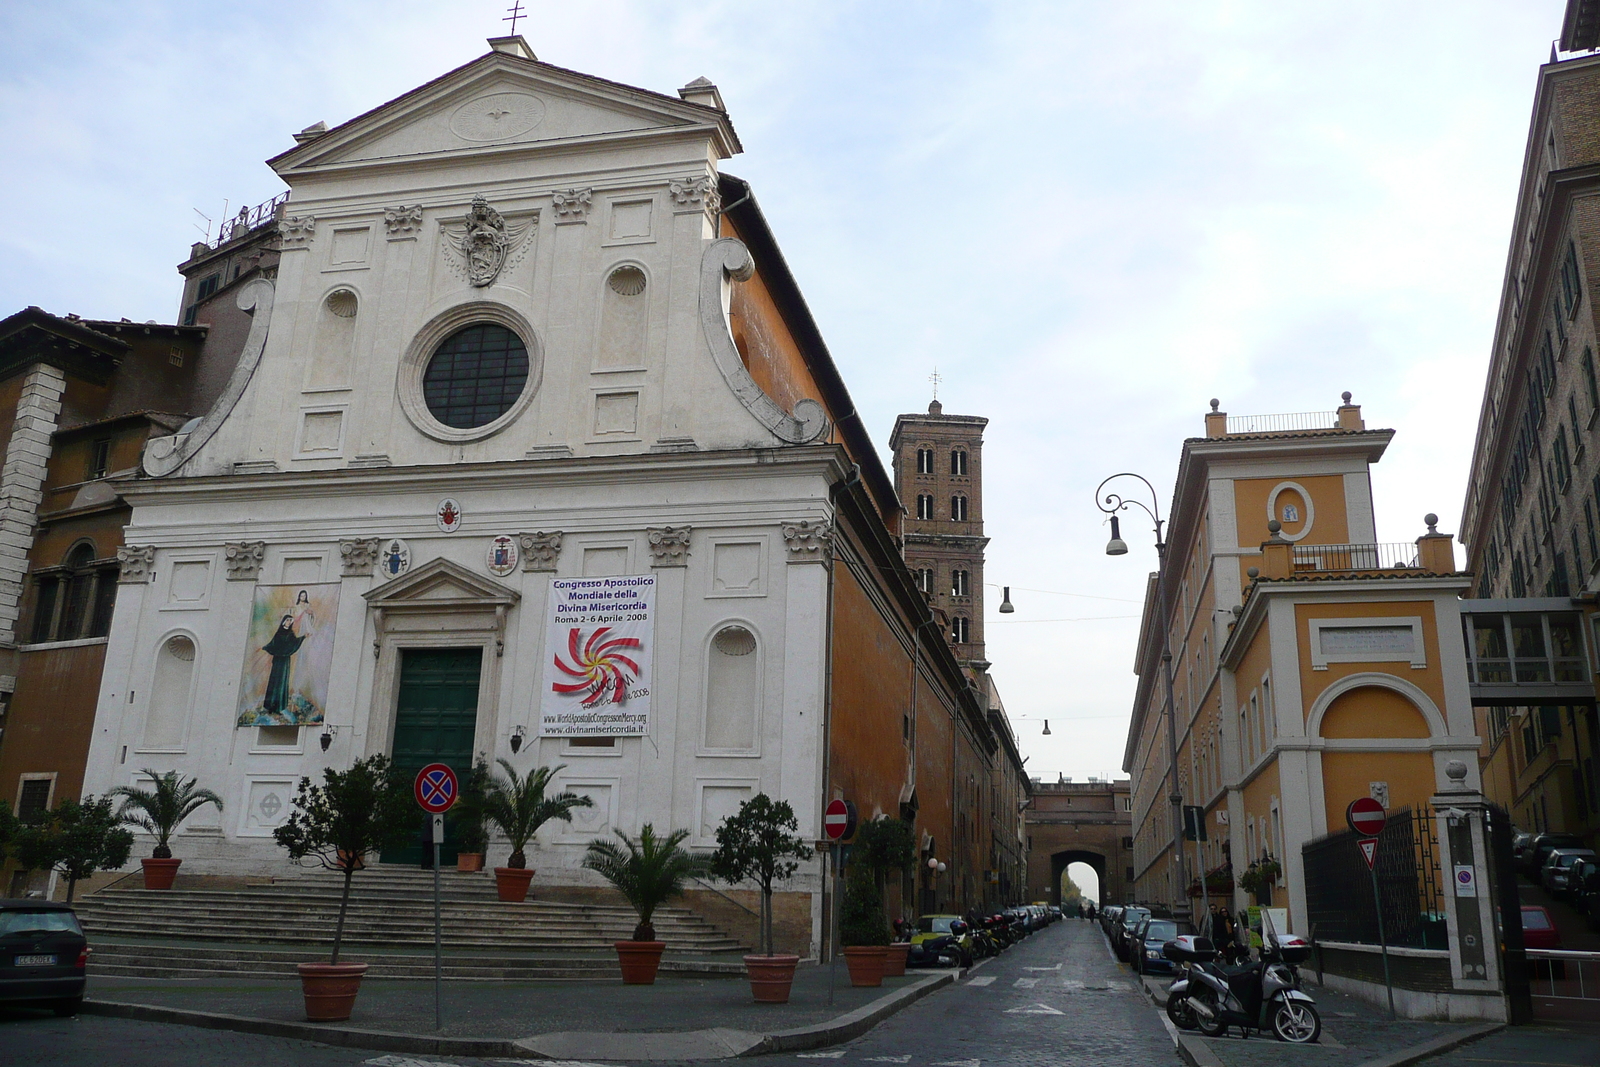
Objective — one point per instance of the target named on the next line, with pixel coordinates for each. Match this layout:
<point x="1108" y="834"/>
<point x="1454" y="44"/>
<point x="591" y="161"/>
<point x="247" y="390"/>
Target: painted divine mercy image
<point x="288" y="655"/>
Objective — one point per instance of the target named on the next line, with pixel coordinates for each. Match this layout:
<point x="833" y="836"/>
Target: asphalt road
<point x="1058" y="999"/>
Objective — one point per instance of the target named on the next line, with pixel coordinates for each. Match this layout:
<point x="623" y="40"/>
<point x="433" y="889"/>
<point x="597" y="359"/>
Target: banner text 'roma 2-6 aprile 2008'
<point x="599" y="642"/>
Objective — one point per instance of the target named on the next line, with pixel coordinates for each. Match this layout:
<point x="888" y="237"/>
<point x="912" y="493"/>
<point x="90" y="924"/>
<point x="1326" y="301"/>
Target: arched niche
<point x="1372" y="711"/>
<point x="171" y="694"/>
<point x="733" y="689"/>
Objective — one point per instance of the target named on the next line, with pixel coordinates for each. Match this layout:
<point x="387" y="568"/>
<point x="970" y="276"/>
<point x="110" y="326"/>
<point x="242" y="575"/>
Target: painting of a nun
<point x="289" y="657"/>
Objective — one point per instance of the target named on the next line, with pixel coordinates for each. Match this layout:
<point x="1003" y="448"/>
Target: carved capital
<point x="243" y="559"/>
<point x="669" y="546"/>
<point x="403" y="221"/>
<point x="808" y="542"/>
<point x="138" y="564"/>
<point x="695" y="194"/>
<point x="296" y="231"/>
<point x="540" y="550"/>
<point x="358" y="556"/>
<point x="572" y="205"/>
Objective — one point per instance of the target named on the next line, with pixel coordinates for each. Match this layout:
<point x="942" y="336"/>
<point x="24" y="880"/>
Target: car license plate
<point x="36" y="961"/>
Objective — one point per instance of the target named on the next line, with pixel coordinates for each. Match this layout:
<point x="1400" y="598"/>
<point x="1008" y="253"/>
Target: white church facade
<point x="503" y="472"/>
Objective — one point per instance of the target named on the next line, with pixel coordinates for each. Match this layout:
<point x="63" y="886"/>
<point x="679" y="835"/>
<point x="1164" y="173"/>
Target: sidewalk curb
<point x="818" y="1035"/>
<point x="851" y="1024"/>
<point x="1195" y="1053"/>
<point x="348" y="1037"/>
<point x="1428" y="1049"/>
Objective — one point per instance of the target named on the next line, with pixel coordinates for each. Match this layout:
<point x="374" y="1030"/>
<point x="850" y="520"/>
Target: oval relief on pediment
<point x="497" y="116"/>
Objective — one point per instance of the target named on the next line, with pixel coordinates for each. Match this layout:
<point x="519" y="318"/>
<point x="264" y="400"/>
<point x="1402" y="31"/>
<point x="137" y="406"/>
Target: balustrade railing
<point x="248" y="219"/>
<point x="1374" y="557"/>
<point x="1300" y="420"/>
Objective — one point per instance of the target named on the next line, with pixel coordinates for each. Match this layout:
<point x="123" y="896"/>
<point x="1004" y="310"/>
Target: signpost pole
<point x="833" y="926"/>
<point x="438" y="963"/>
<point x="1383" y="942"/>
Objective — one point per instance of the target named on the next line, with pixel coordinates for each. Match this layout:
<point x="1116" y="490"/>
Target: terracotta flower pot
<point x="866" y="964"/>
<point x="639" y="961"/>
<point x="469" y="861"/>
<point x="158" y="874"/>
<point x="771" y="977"/>
<point x="512" y="882"/>
<point x="330" y="989"/>
<point x="894" y="964"/>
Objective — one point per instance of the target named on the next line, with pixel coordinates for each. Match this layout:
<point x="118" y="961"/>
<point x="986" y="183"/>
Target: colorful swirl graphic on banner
<point x="601" y="666"/>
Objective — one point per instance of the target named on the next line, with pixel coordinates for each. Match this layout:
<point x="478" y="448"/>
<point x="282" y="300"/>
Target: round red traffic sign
<point x="1366" y="816"/>
<point x="436" y="788"/>
<point x="835" y="818"/>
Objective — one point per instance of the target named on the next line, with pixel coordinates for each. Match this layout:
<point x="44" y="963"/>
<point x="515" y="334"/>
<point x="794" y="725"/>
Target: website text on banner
<point x="600" y="641"/>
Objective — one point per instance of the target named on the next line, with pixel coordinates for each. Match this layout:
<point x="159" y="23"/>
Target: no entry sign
<point x="1366" y="816"/>
<point x="836" y="820"/>
<point x="436" y="788"/>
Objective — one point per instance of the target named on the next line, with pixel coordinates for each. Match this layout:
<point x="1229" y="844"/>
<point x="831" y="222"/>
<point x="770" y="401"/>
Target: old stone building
<point x="1080" y="822"/>
<point x="530" y="376"/>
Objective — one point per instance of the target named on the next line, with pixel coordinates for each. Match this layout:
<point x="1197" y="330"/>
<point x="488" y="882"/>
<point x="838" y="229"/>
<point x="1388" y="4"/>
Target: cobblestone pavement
<point x="1058" y="998"/>
<point x="1543" y="1044"/>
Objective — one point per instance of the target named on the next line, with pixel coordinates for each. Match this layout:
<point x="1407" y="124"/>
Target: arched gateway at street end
<point x="1079" y="822"/>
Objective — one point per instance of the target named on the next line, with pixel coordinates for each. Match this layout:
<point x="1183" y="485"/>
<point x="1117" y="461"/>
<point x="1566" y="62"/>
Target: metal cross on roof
<point x="516" y="13"/>
<point x="935" y="378"/>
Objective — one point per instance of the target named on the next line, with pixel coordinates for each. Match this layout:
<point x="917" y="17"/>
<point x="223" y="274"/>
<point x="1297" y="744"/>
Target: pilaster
<point x="21" y="486"/>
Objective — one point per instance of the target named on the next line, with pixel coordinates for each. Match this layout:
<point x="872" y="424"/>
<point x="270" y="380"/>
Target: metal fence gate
<point x="1339" y="903"/>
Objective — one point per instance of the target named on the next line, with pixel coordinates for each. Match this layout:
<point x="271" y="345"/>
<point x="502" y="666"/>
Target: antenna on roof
<point x="935" y="378"/>
<point x="206" y="229"/>
<point x="516" y="13"/>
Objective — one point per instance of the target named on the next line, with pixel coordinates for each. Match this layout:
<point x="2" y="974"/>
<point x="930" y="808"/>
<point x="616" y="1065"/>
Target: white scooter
<point x="1264" y="995"/>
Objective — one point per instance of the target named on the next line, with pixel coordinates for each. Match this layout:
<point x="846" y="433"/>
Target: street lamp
<point x="1111" y="504"/>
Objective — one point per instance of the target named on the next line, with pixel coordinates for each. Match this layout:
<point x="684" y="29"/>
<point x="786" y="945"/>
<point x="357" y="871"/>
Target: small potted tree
<point x="649" y="871"/>
<point x="758" y="844"/>
<point x="472" y="837"/>
<point x="519" y="807"/>
<point x="863" y="929"/>
<point x="160" y="811"/>
<point x="75" y="838"/>
<point x="333" y="826"/>
<point x="883" y="845"/>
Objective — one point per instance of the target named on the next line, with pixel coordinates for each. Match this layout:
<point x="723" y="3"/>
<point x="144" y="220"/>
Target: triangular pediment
<point x="443" y="583"/>
<point x="502" y="101"/>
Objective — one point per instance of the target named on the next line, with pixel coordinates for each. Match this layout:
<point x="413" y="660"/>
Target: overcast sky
<point x="1091" y="217"/>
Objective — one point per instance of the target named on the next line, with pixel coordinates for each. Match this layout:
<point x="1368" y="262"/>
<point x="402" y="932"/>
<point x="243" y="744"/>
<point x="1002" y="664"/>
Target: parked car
<point x="1558" y="865"/>
<point x="1108" y="917"/>
<point x="1521" y="845"/>
<point x="1540" y="848"/>
<point x="1149" y="938"/>
<point x="940" y="933"/>
<point x="1583" y="880"/>
<point x="43" y="955"/>
<point x="1539" y="931"/>
<point x="1122" y="934"/>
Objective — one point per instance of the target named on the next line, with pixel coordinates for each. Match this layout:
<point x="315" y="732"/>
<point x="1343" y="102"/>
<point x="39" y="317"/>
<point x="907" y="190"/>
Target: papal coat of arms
<point x="482" y="245"/>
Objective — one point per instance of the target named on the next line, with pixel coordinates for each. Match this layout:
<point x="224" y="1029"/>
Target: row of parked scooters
<point x="957" y="941"/>
<point x="1217" y="990"/>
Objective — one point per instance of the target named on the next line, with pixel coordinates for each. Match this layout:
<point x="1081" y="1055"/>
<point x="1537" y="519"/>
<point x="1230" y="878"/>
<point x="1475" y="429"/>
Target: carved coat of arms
<point x="483" y="244"/>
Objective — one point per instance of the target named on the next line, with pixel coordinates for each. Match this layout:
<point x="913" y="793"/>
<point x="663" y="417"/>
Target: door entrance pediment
<point x="441" y="583"/>
<point x="441" y="597"/>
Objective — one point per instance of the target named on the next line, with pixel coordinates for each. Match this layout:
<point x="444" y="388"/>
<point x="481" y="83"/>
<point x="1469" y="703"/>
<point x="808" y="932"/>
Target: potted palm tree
<point x="758" y="844"/>
<point x="333" y="826"/>
<point x="519" y="807"/>
<point x="472" y="837"/>
<point x="649" y="871"/>
<point x="160" y="811"/>
<point x="863" y="929"/>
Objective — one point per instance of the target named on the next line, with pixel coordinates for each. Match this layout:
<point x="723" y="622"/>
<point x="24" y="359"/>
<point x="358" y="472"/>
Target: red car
<point x="1538" y="929"/>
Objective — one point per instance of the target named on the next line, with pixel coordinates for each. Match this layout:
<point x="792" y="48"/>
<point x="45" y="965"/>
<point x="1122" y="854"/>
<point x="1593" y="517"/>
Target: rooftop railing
<point x="1300" y="420"/>
<point x="248" y="219"/>
<point x="1374" y="557"/>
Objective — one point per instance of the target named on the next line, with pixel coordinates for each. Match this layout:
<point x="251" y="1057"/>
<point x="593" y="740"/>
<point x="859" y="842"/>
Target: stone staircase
<point x="264" y="929"/>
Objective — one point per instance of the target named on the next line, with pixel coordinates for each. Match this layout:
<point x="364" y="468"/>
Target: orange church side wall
<point x="871" y="690"/>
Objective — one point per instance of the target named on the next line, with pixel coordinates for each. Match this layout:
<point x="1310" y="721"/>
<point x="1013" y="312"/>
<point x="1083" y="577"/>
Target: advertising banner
<point x="600" y="639"/>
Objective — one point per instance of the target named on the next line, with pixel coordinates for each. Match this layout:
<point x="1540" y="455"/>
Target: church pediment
<point x="501" y="101"/>
<point x="439" y="583"/>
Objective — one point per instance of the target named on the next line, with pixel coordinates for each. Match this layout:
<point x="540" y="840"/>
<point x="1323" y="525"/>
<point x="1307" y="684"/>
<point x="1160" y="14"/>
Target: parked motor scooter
<point x="1264" y="995"/>
<point x="1185" y="952"/>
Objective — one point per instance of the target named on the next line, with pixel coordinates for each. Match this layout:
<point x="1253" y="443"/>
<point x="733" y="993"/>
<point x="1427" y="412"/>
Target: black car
<point x="1149" y="937"/>
<point x="1122" y="932"/>
<point x="43" y="955"/>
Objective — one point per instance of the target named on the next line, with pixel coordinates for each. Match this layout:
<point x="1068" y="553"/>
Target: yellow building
<point x="1310" y="664"/>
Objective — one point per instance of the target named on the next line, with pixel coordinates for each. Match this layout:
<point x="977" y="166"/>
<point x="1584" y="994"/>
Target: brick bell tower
<point x="938" y="473"/>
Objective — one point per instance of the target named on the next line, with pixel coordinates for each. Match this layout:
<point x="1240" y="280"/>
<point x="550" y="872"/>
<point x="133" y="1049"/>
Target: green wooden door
<point x="434" y="723"/>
